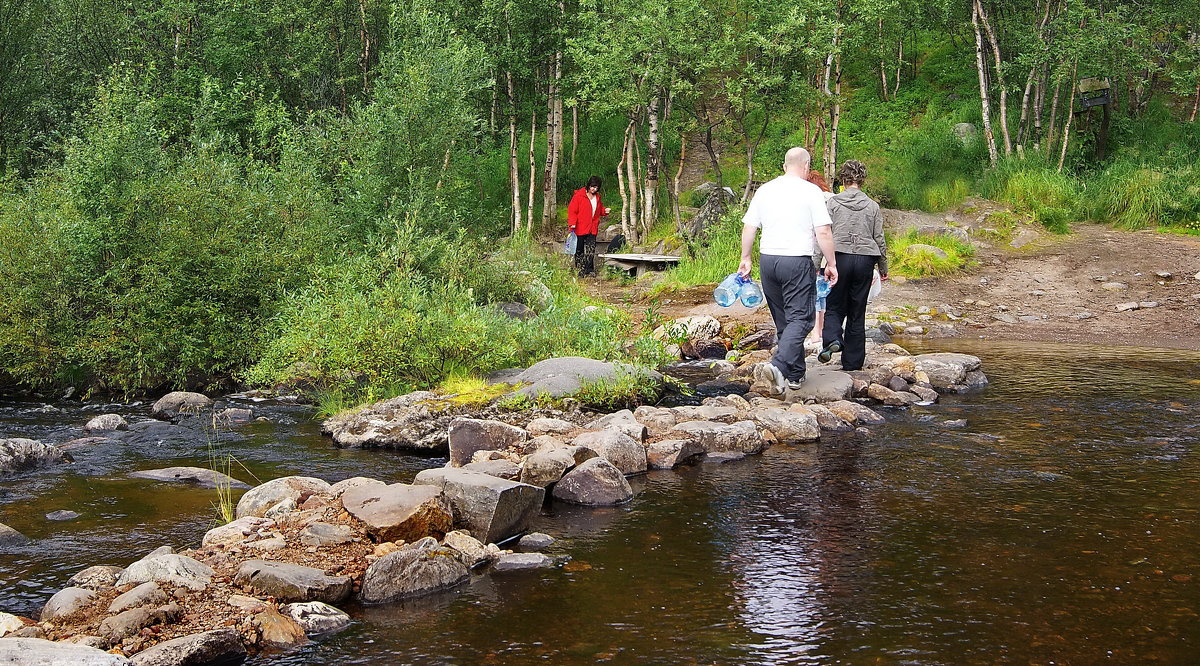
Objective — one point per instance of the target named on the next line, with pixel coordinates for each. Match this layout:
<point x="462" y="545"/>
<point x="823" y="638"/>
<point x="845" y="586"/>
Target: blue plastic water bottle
<point x="750" y="293"/>
<point x="823" y="287"/>
<point x="726" y="293"/>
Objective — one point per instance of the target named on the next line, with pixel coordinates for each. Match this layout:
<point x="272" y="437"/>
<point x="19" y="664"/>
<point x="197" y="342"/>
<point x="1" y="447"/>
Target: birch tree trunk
<point x="632" y="179"/>
<point x="532" y="170"/>
<point x="650" y="193"/>
<point x="1066" y="137"/>
<point x="551" y="132"/>
<point x="833" y="66"/>
<point x="981" y="68"/>
<point x="1195" y="105"/>
<point x="626" y="213"/>
<point x="675" y="182"/>
<point x="987" y="26"/>
<point x="1052" y="125"/>
<point x="364" y="57"/>
<point x="574" y="131"/>
<point x="899" y="65"/>
<point x="514" y="171"/>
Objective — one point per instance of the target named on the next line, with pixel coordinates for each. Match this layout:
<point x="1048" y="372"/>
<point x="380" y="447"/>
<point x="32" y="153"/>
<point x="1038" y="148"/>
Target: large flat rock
<point x="169" y="568"/>
<point x="490" y="508"/>
<point x="200" y="476"/>
<point x="564" y="376"/>
<point x="400" y="511"/>
<point x="19" y="453"/>
<point x="822" y="384"/>
<point x="292" y="582"/>
<point x="40" y="652"/>
<point x="210" y="647"/>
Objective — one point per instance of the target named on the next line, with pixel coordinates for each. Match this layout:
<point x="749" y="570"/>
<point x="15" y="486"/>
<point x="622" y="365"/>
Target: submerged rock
<point x="62" y="515"/>
<point x="20" y="453"/>
<point x="41" y="652"/>
<point x="11" y="537"/>
<point x="522" y="562"/>
<point x="210" y="647"/>
<point x="535" y="541"/>
<point x="315" y="617"/>
<point x="200" y="476"/>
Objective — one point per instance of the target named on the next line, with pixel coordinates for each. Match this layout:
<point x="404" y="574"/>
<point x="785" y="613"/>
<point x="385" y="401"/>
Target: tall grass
<point x="917" y="262"/>
<point x="1036" y="187"/>
<point x="709" y="261"/>
<point x="1130" y="196"/>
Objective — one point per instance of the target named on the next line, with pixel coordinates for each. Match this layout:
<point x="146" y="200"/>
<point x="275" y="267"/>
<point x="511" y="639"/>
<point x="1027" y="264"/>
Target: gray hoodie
<point x="858" y="225"/>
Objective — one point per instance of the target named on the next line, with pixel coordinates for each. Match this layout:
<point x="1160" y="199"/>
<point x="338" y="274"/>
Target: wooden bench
<point x="636" y="264"/>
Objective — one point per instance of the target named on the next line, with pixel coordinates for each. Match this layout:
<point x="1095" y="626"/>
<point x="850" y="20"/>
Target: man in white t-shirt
<point x="790" y="211"/>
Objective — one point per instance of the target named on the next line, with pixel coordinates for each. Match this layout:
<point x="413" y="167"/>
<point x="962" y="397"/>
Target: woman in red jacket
<point x="583" y="216"/>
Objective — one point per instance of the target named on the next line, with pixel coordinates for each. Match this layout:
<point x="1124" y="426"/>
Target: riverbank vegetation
<point x="341" y="196"/>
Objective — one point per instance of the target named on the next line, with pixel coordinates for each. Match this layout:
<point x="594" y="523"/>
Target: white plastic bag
<point x="876" y="286"/>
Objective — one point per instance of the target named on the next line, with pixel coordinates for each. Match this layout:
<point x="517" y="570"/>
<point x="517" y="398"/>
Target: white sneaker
<point x="768" y="374"/>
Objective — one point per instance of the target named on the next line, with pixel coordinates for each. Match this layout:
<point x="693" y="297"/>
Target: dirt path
<point x="1053" y="289"/>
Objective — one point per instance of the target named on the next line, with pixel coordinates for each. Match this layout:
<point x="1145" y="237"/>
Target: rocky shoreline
<point x="300" y="546"/>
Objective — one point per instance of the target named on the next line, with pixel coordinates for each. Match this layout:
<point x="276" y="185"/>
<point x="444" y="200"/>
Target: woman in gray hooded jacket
<point x="859" y="247"/>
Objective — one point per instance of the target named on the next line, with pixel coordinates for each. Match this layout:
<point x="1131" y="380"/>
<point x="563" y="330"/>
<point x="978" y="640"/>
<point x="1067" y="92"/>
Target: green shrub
<point x="1130" y="196"/>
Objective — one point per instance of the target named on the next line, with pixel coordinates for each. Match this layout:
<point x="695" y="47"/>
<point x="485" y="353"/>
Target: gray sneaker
<point x="768" y="374"/>
<point x="795" y="384"/>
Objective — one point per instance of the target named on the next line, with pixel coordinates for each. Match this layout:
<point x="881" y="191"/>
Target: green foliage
<point x="918" y="263"/>
<point x="1130" y="196"/>
<point x="709" y="260"/>
<point x="1035" y="187"/>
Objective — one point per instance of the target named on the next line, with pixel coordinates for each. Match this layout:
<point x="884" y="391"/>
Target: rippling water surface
<point x="1059" y="525"/>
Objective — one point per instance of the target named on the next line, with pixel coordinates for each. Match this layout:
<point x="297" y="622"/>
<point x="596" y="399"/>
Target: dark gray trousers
<point x="789" y="283"/>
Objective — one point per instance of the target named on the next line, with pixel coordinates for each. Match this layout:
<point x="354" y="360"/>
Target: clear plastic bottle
<point x="750" y="293"/>
<point x="726" y="293"/>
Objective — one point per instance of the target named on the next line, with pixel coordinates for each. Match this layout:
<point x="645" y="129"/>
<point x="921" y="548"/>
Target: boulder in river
<point x="471" y="551"/>
<point x="823" y="384"/>
<point x="19" y="453"/>
<point x="180" y="403"/>
<point x="277" y="630"/>
<point x="522" y="562"/>
<point x="788" y="425"/>
<point x="259" y="499"/>
<point x="618" y="448"/>
<point x="10" y="537"/>
<point x="740" y="437"/>
<point x="292" y="582"/>
<point x="400" y="511"/>
<point x="466" y="436"/>
<point x="669" y="453"/>
<point x="415" y="421"/>
<point x="545" y="467"/>
<point x="106" y="423"/>
<point x="66" y="601"/>
<point x="175" y="569"/>
<point x="316" y="617"/>
<point x="595" y="482"/>
<point x="41" y="652"/>
<point x="146" y="594"/>
<point x="854" y="413"/>
<point x="565" y="376"/>
<point x="210" y="647"/>
<point x="413" y="571"/>
<point x="492" y="509"/>
<point x="200" y="476"/>
<point x="946" y="371"/>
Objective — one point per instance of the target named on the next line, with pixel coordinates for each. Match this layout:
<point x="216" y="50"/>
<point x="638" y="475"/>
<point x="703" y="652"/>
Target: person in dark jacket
<point x="583" y="217"/>
<point x="859" y="247"/>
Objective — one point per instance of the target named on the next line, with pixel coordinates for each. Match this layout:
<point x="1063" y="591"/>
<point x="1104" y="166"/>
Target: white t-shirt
<point x="788" y="209"/>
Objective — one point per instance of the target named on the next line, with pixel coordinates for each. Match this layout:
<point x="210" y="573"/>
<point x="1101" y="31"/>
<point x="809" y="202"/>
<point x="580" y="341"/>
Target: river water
<point x="1060" y="525"/>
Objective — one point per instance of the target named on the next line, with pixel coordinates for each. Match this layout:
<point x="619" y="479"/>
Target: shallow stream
<point x="1060" y="524"/>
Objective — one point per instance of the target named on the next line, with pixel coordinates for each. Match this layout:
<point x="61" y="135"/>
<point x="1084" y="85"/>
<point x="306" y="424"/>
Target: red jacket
<point x="580" y="216"/>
